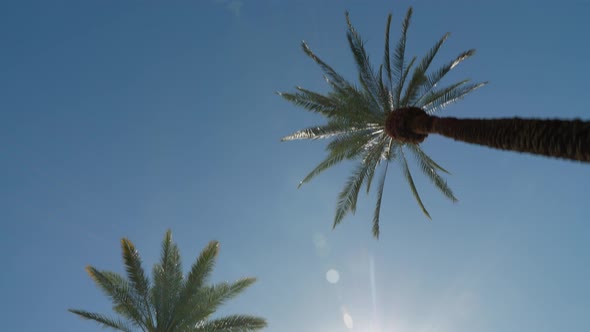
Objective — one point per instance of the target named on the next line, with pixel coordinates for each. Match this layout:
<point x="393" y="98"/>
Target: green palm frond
<point x="437" y="76"/>
<point x="195" y="280"/>
<point x="367" y="76"/>
<point x="379" y="144"/>
<point x="419" y="77"/>
<point x="425" y="158"/>
<point x="430" y="171"/>
<point x="335" y="79"/>
<point x="410" y="180"/>
<point x="349" y="195"/>
<point x="202" y="268"/>
<point x="355" y="107"/>
<point x="138" y="280"/>
<point x="346" y="147"/>
<point x="311" y="101"/>
<point x="378" y="204"/>
<point x="233" y="323"/>
<point x="125" y="301"/>
<point x="429" y="99"/>
<point x="400" y="103"/>
<point x="357" y="116"/>
<point x="386" y="56"/>
<point x="206" y="301"/>
<point x="384" y="94"/>
<point x="221" y="292"/>
<point x="398" y="59"/>
<point x="442" y="98"/>
<point x="105" y="321"/>
<point x="168" y="282"/>
<point x="333" y="128"/>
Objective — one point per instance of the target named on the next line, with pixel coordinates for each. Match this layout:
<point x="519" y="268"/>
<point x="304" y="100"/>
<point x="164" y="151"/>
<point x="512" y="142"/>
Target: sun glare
<point x="347" y="320"/>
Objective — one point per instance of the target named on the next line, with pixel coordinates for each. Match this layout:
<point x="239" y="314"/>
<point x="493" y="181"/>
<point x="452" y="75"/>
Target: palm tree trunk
<point x="568" y="139"/>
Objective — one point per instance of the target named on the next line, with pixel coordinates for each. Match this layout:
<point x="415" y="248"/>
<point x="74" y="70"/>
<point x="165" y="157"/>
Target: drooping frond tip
<point x="462" y="57"/>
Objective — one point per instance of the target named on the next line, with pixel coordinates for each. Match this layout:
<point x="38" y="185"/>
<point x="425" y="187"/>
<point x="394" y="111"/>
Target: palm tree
<point x="171" y="302"/>
<point x="390" y="114"/>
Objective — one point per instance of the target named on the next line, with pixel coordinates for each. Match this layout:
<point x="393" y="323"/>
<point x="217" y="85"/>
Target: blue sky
<point x="126" y="118"/>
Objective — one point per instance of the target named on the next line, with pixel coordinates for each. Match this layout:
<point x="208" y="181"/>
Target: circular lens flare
<point x="332" y="276"/>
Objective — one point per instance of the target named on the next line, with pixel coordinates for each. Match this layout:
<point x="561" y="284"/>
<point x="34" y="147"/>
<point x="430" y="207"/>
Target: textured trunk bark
<point x="568" y="139"/>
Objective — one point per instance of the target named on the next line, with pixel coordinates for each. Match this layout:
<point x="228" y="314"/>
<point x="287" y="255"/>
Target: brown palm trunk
<point x="568" y="139"/>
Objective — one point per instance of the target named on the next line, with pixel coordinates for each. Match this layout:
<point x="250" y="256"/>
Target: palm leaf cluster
<point x="356" y="115"/>
<point x="170" y="302"/>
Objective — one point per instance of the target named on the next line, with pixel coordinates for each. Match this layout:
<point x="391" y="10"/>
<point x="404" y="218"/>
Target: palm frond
<point x="333" y="128"/>
<point x="206" y="301"/>
<point x="433" y="95"/>
<point x="351" y="105"/>
<point x="138" y="279"/>
<point x="348" y="197"/>
<point x="403" y="80"/>
<point x="195" y="280"/>
<point x="201" y="269"/>
<point x="168" y="282"/>
<point x="440" y="99"/>
<point x="426" y="159"/>
<point x="335" y="79"/>
<point x="398" y="58"/>
<point x="367" y="76"/>
<point x="221" y="292"/>
<point x="379" y="144"/>
<point x="385" y="94"/>
<point x="435" y="77"/>
<point x="133" y="267"/>
<point x="311" y="101"/>
<point x="410" y="180"/>
<point x="346" y="147"/>
<point x="377" y="212"/>
<point x="233" y="323"/>
<point x="431" y="173"/>
<point x="105" y="321"/>
<point x="419" y="76"/>
<point x="355" y="107"/>
<point x="386" y="57"/>
<point x="125" y="301"/>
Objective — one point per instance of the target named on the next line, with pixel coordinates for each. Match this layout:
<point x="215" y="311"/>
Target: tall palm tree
<point x="170" y="302"/>
<point x="390" y="114"/>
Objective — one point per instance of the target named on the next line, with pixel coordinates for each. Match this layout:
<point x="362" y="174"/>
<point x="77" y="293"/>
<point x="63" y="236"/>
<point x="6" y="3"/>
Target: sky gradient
<point x="128" y="118"/>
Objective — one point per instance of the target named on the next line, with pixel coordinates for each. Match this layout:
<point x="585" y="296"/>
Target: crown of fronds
<point x="171" y="302"/>
<point x="356" y="115"/>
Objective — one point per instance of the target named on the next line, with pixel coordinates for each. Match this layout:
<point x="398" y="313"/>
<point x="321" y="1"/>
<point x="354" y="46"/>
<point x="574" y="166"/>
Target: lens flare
<point x="347" y="320"/>
<point x="332" y="276"/>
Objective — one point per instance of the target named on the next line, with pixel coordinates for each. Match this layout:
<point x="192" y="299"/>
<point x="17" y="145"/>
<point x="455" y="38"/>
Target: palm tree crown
<point x="170" y="302"/>
<point x="357" y="116"/>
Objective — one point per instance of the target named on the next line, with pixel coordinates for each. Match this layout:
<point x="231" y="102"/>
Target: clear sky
<point x="126" y="118"/>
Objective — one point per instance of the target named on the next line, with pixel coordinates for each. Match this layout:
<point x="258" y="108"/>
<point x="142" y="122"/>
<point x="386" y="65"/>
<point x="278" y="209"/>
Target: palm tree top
<point x="358" y="116"/>
<point x="170" y="301"/>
